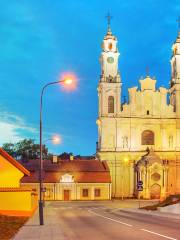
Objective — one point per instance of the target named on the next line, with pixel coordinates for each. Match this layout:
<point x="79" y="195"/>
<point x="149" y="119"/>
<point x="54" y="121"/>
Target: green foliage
<point x="25" y="149"/>
<point x="65" y="156"/>
<point x="9" y="148"/>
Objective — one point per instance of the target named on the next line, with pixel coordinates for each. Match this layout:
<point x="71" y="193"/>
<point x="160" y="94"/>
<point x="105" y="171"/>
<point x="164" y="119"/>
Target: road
<point x="104" y="221"/>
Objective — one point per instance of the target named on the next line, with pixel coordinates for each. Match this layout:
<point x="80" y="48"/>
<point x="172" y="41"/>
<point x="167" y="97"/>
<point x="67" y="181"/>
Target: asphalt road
<point x="101" y="221"/>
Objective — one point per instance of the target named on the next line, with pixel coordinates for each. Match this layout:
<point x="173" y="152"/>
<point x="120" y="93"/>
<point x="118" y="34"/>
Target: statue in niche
<point x="125" y="142"/>
<point x="170" y="141"/>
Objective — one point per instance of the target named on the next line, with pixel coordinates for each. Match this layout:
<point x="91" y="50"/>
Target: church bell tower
<point x="175" y="76"/>
<point x="109" y="88"/>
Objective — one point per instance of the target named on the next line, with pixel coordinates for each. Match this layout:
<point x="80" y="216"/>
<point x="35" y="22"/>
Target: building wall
<point x="55" y="191"/>
<point x="124" y="134"/>
<point x="10" y="175"/>
<point x="22" y="203"/>
<point x="123" y="176"/>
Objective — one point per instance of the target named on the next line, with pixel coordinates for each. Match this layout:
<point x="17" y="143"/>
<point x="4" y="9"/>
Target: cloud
<point x="14" y="128"/>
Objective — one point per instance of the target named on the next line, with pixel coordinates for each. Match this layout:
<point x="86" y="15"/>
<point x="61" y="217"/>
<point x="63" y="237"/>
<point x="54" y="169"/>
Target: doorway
<point x="66" y="195"/>
<point x="155" y="191"/>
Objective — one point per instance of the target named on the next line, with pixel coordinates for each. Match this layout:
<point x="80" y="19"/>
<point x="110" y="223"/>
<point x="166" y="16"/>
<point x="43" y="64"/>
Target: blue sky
<point x="39" y="40"/>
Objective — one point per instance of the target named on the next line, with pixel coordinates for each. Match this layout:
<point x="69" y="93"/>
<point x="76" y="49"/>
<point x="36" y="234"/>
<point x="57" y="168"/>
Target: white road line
<point x="158" y="234"/>
<point x="116" y="209"/>
<point x="111" y="219"/>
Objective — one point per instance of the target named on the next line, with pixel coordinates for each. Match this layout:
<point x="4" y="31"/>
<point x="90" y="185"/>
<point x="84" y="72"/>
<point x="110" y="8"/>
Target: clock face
<point x="110" y="59"/>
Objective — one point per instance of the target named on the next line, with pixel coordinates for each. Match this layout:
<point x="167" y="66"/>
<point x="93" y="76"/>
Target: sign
<point x="139" y="188"/>
<point x="43" y="189"/>
<point x="140" y="183"/>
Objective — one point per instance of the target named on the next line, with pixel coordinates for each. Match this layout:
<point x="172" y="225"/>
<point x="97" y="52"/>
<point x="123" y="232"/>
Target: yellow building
<point x="14" y="200"/>
<point x="71" y="179"/>
<point x="147" y="124"/>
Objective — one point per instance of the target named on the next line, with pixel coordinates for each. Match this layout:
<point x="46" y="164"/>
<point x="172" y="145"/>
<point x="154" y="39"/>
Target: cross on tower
<point x="178" y="20"/>
<point x="109" y="17"/>
<point x="147" y="71"/>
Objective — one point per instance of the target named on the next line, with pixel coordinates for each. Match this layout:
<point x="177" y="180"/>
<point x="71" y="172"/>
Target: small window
<point x="147" y="112"/>
<point x="110" y="46"/>
<point x="97" y="192"/>
<point x="110" y="104"/>
<point x="48" y="192"/>
<point x="85" y="192"/>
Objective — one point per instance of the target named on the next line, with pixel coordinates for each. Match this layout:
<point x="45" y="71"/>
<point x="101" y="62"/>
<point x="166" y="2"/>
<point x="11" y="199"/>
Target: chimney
<point x="55" y="159"/>
<point x="71" y="157"/>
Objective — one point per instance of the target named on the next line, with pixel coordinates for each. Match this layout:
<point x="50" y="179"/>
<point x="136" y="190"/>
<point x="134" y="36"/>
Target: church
<point x="140" y="140"/>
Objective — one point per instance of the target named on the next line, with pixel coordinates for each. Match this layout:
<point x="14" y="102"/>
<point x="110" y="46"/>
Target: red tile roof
<point x="83" y="171"/>
<point x="14" y="162"/>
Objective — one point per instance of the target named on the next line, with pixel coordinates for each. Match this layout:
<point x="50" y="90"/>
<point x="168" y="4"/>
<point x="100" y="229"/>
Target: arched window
<point x="147" y="137"/>
<point x="110" y="104"/>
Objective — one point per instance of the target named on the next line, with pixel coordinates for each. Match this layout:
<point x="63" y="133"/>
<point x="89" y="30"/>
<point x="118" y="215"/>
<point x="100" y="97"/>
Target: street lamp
<point x="55" y="139"/>
<point x="68" y="81"/>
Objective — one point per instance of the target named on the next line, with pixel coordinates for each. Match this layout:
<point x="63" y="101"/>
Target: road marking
<point x="158" y="234"/>
<point x="114" y="220"/>
<point x="116" y="209"/>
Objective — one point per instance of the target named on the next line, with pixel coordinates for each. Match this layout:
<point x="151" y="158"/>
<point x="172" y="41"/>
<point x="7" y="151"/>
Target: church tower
<point x="175" y="79"/>
<point x="109" y="88"/>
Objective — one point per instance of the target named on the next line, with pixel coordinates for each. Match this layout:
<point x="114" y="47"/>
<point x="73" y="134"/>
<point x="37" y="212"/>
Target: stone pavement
<point x="51" y="230"/>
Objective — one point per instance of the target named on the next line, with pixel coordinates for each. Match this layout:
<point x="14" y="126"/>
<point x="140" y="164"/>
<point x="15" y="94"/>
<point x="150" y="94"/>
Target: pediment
<point x="148" y="84"/>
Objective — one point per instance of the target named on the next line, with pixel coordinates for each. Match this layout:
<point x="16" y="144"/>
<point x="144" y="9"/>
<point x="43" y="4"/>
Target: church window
<point x="147" y="137"/>
<point x="147" y="112"/>
<point x="97" y="192"/>
<point x="110" y="104"/>
<point x="155" y="176"/>
<point x="85" y="192"/>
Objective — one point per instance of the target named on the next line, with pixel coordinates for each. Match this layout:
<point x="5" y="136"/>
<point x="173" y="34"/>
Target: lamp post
<point x="67" y="81"/>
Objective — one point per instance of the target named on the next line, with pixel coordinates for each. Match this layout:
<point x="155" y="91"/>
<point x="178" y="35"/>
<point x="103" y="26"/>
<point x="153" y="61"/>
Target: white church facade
<point x="140" y="139"/>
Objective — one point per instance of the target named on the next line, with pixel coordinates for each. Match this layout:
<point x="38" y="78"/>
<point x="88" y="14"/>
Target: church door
<point x="66" y="195"/>
<point x="155" y="191"/>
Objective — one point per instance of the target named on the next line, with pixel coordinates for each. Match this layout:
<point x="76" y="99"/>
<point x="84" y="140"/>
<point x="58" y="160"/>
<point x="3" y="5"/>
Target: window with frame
<point x="48" y="192"/>
<point x="147" y="137"/>
<point x="85" y="192"/>
<point x="97" y="192"/>
<point x="110" y="104"/>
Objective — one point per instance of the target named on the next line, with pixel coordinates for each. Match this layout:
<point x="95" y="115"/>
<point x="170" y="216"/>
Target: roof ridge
<point x="14" y="162"/>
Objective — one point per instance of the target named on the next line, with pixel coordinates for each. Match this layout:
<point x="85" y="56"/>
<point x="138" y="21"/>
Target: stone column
<point x="147" y="194"/>
<point x="131" y="179"/>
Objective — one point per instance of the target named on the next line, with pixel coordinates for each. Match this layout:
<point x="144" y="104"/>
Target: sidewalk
<point x="51" y="230"/>
<point x="152" y="213"/>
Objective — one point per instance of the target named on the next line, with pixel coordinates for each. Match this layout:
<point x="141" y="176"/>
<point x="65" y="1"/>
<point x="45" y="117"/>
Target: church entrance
<point x="66" y="195"/>
<point x="155" y="191"/>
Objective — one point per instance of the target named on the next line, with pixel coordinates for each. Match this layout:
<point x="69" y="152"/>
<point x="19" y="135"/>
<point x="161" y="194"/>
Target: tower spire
<point x="178" y="20"/>
<point x="109" y="17"/>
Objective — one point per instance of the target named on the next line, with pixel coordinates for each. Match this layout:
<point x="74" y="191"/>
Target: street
<point x="102" y="221"/>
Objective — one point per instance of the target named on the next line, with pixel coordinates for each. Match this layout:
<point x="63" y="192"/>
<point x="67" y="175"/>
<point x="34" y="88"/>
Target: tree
<point x="65" y="155"/>
<point x="9" y="148"/>
<point x="25" y="149"/>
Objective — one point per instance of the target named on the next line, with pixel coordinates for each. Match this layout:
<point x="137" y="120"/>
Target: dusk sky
<point x="42" y="39"/>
